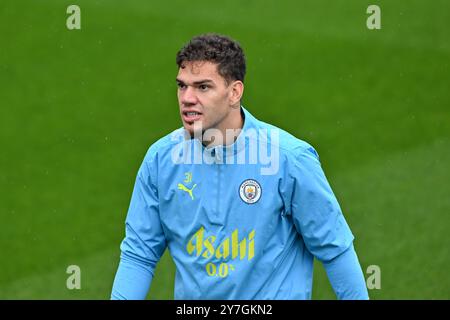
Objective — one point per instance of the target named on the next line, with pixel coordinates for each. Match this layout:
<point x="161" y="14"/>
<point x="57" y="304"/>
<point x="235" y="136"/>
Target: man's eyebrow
<point x="203" y="81"/>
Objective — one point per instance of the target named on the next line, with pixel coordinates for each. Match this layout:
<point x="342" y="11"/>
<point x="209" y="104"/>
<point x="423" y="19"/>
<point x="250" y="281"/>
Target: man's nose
<point x="188" y="96"/>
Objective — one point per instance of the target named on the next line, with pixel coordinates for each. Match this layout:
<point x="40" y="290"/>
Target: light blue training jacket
<point x="243" y="221"/>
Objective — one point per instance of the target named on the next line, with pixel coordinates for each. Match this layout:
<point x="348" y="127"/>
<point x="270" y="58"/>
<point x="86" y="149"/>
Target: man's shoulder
<point x="287" y="143"/>
<point x="164" y="144"/>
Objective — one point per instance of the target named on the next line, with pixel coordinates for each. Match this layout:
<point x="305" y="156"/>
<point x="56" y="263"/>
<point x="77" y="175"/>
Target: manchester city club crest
<point x="250" y="191"/>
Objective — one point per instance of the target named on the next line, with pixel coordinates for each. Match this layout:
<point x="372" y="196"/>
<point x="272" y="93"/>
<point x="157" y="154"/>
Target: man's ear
<point x="237" y="89"/>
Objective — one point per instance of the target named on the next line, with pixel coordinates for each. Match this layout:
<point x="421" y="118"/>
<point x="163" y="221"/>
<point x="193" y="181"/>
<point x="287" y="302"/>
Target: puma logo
<point x="184" y="188"/>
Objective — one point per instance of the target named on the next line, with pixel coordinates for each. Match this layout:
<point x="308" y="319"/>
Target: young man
<point x="242" y="206"/>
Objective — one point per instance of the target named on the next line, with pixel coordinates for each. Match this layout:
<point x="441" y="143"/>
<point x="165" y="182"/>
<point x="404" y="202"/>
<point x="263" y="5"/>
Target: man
<point x="239" y="223"/>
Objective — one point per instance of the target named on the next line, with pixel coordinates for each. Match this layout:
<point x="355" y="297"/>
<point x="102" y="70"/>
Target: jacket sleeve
<point x="346" y="276"/>
<point x="318" y="218"/>
<point x="144" y="241"/>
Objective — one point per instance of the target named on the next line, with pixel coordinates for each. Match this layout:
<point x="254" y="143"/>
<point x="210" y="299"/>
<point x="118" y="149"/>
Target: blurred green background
<point x="78" y="110"/>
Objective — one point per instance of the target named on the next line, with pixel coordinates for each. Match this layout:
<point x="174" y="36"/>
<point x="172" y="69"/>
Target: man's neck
<point x="230" y="130"/>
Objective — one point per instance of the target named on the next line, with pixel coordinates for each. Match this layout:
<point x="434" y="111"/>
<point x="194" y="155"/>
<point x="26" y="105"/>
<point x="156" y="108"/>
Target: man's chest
<point x="229" y="197"/>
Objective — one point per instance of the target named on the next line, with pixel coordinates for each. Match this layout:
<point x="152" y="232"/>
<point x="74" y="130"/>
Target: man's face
<point x="203" y="96"/>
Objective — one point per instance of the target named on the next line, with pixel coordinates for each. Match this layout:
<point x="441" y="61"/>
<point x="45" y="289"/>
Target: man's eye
<point x="181" y="85"/>
<point x="203" y="87"/>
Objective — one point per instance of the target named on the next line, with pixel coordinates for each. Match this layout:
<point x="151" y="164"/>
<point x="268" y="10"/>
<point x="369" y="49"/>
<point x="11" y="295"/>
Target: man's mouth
<point x="191" y="116"/>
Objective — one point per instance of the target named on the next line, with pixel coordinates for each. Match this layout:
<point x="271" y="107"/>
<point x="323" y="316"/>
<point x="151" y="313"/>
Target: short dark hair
<point x="216" y="48"/>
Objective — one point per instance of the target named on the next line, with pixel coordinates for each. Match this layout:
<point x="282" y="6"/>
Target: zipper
<point x="218" y="185"/>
